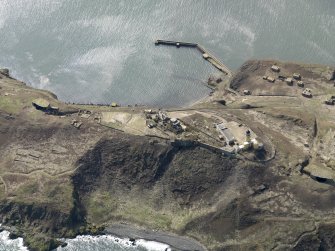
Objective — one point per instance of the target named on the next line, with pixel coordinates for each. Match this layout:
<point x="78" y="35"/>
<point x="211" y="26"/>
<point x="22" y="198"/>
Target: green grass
<point x="53" y="192"/>
<point x="103" y="207"/>
<point x="10" y="105"/>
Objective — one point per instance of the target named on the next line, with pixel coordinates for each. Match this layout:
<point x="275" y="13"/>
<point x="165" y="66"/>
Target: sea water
<point x="89" y="243"/>
<point x="103" y="51"/>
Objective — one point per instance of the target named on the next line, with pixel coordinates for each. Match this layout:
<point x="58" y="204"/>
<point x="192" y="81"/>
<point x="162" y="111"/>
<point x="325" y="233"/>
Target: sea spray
<point x="110" y="243"/>
<point x="6" y="244"/>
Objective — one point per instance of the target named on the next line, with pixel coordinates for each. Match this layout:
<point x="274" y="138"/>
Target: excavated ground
<point x="59" y="181"/>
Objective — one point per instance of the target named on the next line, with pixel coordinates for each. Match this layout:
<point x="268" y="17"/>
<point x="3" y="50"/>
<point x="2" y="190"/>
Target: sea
<point x="103" y="51"/>
<point x="89" y="243"/>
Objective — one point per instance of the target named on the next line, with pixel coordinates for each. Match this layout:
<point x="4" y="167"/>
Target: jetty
<point x="205" y="54"/>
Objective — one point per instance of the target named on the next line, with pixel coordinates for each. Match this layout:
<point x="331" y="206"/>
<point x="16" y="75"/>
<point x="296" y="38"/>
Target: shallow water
<point x="88" y="51"/>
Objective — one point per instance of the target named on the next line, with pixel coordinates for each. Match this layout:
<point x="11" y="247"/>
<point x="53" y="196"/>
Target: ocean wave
<point x="108" y="242"/>
<point x="6" y="244"/>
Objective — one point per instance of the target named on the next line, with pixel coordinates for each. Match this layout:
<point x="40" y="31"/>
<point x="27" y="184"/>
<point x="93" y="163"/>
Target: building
<point x="300" y="84"/>
<point x="247" y="92"/>
<point x="163" y="116"/>
<point x="307" y="93"/>
<point x="296" y="76"/>
<point x="226" y="133"/>
<point x="289" y="81"/>
<point x="330" y="101"/>
<point x="271" y="79"/>
<point x="250" y="144"/>
<point x="275" y="68"/>
<point x="281" y="77"/>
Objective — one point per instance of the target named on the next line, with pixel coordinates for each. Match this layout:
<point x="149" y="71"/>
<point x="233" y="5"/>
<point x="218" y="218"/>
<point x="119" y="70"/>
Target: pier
<point x="205" y="54"/>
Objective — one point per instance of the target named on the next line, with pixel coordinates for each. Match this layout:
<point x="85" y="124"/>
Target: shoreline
<point x="17" y="101"/>
<point x="176" y="242"/>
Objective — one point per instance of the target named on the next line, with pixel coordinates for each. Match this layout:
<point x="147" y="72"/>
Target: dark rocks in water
<point x="133" y="241"/>
<point x="53" y="244"/>
<point x="14" y="235"/>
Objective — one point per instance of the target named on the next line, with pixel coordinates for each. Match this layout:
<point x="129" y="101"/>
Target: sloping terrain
<point x="58" y="180"/>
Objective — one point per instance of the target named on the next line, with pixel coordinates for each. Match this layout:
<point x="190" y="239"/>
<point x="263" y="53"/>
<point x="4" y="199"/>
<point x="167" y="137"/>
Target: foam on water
<point x="7" y="244"/>
<point x="111" y="243"/>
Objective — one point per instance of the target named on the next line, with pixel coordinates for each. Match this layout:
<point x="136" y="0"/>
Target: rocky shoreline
<point x="177" y="243"/>
<point x="59" y="181"/>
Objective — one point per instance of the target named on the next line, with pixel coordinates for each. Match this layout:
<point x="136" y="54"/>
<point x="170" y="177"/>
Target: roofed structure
<point x="226" y="133"/>
<point x="307" y="93"/>
<point x="271" y="79"/>
<point x="289" y="81"/>
<point x="296" y="76"/>
<point x="275" y="68"/>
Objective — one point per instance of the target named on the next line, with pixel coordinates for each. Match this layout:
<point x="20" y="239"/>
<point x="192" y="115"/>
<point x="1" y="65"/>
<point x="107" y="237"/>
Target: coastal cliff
<point x="60" y="178"/>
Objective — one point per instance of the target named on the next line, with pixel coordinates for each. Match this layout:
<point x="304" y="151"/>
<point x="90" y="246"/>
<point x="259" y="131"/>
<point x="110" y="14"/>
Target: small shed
<point x="300" y="84"/>
<point x="271" y="79"/>
<point x="296" y="76"/>
<point x="113" y="104"/>
<point x="289" y="81"/>
<point x="307" y="93"/>
<point x="330" y="101"/>
<point x="275" y="68"/>
<point x="247" y="92"/>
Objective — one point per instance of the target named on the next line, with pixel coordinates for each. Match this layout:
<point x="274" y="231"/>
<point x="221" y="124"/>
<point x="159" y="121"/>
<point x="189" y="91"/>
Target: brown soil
<point x="58" y="181"/>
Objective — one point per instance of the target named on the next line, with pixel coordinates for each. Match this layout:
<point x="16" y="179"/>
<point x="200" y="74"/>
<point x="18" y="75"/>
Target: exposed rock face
<point x="245" y="71"/>
<point x="124" y="163"/>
